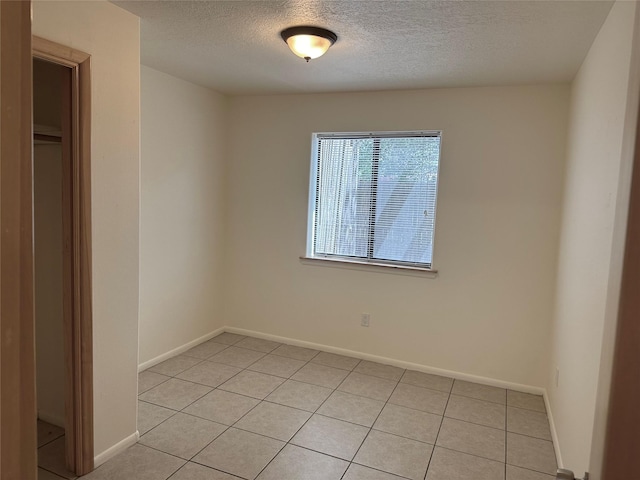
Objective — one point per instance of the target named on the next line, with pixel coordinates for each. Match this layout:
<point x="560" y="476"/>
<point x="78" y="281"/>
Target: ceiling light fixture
<point x="308" y="42"/>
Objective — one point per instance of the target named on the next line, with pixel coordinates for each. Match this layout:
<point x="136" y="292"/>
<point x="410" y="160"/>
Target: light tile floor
<point x="51" y="453"/>
<point x="241" y="407"/>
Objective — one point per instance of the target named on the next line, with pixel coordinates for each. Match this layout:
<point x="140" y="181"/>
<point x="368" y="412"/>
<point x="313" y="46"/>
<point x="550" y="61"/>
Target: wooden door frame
<point x="18" y="439"/>
<point x="76" y="225"/>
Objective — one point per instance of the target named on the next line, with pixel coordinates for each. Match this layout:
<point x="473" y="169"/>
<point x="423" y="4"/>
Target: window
<point x="373" y="197"/>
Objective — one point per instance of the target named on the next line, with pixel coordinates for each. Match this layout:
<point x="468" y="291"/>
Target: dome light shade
<point x="308" y="42"/>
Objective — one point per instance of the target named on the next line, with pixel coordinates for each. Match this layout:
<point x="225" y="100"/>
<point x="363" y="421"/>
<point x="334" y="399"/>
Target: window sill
<point x="368" y="266"/>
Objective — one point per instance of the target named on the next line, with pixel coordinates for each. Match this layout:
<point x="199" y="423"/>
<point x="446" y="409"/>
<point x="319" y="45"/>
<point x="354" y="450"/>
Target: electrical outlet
<point x="364" y="319"/>
<point x="557" y="376"/>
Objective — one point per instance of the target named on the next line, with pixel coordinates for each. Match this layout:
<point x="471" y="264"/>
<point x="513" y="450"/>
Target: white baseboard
<point x="179" y="350"/>
<point x="554" y="433"/>
<point x="391" y="361"/>
<point x="51" y="418"/>
<point x="119" y="447"/>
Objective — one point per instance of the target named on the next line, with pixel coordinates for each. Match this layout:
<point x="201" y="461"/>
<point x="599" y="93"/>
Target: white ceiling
<point x="235" y="47"/>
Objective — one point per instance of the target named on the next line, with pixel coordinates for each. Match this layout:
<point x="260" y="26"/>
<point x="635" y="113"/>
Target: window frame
<point x="360" y="262"/>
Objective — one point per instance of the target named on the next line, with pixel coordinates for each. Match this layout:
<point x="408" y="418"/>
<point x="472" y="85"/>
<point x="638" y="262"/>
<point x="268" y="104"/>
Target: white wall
<point x="488" y="311"/>
<point x="47" y="219"/>
<point x="112" y="36"/>
<point x="591" y="198"/>
<point x="184" y="134"/>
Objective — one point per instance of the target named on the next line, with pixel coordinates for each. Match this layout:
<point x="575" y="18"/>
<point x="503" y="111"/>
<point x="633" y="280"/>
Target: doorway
<point x="62" y="259"/>
<point x="49" y="103"/>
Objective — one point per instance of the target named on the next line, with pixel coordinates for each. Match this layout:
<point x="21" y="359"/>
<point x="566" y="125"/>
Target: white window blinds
<point x="373" y="196"/>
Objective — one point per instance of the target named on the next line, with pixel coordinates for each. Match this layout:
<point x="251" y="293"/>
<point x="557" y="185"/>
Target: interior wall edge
<point x="618" y="254"/>
<point x="493" y="382"/>
<point x="181" y="349"/>
<point x="592" y="196"/>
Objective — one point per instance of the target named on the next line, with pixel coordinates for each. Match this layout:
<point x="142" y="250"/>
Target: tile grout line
<point x="54" y="473"/>
<point x="249" y="411"/>
<point x="435" y="442"/>
<point x="376" y="419"/>
<point x="187" y="406"/>
<point x="302" y="426"/>
<point x="50" y="441"/>
<point x="506" y="429"/>
<point x="315" y="412"/>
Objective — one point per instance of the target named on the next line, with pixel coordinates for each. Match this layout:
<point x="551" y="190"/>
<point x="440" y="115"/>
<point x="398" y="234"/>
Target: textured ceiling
<point x="235" y="47"/>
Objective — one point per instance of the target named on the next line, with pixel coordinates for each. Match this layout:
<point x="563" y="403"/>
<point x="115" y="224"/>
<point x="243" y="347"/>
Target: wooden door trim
<point x="18" y="440"/>
<point x="77" y="284"/>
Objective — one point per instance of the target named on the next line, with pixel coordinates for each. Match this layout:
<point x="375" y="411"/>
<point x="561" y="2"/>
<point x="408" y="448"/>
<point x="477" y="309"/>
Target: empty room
<point x="323" y="240"/>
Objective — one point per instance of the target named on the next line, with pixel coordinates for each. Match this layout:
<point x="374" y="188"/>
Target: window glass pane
<point x="343" y="197"/>
<point x="405" y="202"/>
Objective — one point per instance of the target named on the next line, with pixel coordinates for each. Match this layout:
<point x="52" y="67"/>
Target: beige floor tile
<point x="352" y="408"/>
<point x="393" y="454"/>
<point x="336" y="361"/>
<point x="479" y="391"/>
<point x="239" y="429"/>
<point x="48" y="432"/>
<point x="273" y="420"/>
<point x="175" y="365"/>
<point x="258" y="344"/>
<point x="450" y="465"/>
<point x="237" y="357"/>
<point x="409" y="423"/>
<point x="358" y="472"/>
<point x="222" y="407"/>
<point x="426" y="380"/>
<point x="278" y="366"/>
<point x="517" y="473"/>
<point x="531" y="453"/>
<point x="147" y="380"/>
<point x="139" y="463"/>
<point x="388" y="372"/>
<point x="526" y="401"/>
<point x="333" y="437"/>
<point x="320" y="375"/>
<point x="150" y="416"/>
<point x="476" y="411"/>
<point x="205" y="350"/>
<point x="175" y="394"/>
<point x="252" y="384"/>
<point x="304" y="396"/>
<point x="418" y="398"/>
<point x="300" y="464"/>
<point x="228" y="338"/>
<point x="51" y="457"/>
<point x="368" y="386"/>
<point x="299" y="353"/>
<point x="209" y="373"/>
<point x="473" y="439"/>
<point x="193" y="471"/>
<point x="45" y="475"/>
<point x="528" y="422"/>
<point x="182" y="435"/>
<point x="239" y="453"/>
